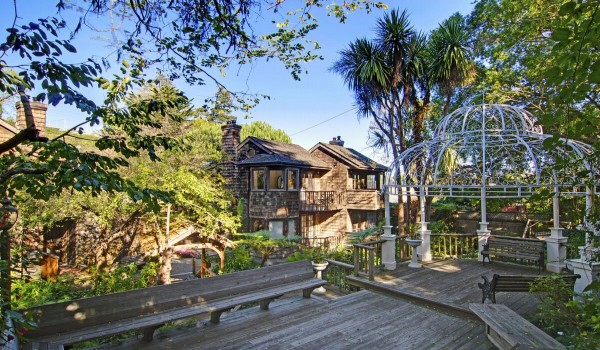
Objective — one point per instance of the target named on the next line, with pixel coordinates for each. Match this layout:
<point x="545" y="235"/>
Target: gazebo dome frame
<point x="493" y="151"/>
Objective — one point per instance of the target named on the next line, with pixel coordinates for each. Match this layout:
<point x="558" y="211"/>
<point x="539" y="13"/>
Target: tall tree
<point x="393" y="76"/>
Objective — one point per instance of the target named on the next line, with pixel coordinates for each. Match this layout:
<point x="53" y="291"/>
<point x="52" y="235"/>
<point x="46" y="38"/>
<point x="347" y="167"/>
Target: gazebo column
<point x="425" y="247"/>
<point x="388" y="250"/>
<point x="482" y="236"/>
<point x="483" y="233"/>
<point x="556" y="244"/>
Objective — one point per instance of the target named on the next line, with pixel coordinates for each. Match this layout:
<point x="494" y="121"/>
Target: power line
<point x="324" y="121"/>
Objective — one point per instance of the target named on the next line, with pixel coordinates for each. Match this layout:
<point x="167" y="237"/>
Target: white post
<point x="388" y="249"/>
<point x="483" y="233"/>
<point x="556" y="243"/>
<point x="425" y="247"/>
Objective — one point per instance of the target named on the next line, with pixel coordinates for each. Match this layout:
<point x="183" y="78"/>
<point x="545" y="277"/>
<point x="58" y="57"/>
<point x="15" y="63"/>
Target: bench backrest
<point x="526" y="246"/>
<point x="512" y="283"/>
<point x="80" y="313"/>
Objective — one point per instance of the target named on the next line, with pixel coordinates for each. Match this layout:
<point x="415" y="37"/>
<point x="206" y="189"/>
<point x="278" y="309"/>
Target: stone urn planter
<point x="319" y="267"/>
<point x="414" y="243"/>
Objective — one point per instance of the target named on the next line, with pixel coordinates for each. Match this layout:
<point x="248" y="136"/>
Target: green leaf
<point x="561" y="34"/>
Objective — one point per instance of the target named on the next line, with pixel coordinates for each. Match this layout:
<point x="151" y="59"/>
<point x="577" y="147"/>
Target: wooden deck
<point x="452" y="285"/>
<point x="423" y="308"/>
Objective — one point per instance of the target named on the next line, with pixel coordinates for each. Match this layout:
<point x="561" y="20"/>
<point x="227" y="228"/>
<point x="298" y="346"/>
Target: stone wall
<point x="274" y="204"/>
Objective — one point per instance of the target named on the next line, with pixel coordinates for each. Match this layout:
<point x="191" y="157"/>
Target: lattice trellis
<point x="495" y="146"/>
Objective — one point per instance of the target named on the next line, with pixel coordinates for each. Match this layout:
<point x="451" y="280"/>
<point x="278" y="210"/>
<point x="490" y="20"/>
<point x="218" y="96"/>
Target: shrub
<point x="575" y="323"/>
<point x="239" y="259"/>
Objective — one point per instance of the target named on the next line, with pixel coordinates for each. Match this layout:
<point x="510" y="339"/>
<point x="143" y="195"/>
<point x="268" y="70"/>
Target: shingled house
<point x="319" y="194"/>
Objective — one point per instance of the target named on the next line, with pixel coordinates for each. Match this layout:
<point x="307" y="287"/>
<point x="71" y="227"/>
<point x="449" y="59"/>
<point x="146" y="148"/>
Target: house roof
<point x="280" y="153"/>
<point x="350" y="157"/>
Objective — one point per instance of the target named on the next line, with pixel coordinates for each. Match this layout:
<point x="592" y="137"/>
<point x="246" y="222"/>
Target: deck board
<point x="361" y="320"/>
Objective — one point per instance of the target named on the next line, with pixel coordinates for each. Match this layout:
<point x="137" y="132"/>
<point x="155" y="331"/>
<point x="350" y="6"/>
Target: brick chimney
<point x="337" y="141"/>
<point x="230" y="140"/>
<point x="39" y="115"/>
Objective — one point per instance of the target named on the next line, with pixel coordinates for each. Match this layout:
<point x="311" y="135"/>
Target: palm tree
<point x="450" y="65"/>
<point x="392" y="75"/>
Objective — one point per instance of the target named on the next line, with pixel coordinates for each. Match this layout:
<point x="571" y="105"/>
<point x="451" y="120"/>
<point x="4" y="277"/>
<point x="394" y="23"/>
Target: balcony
<point x="321" y="200"/>
<point x="364" y="200"/>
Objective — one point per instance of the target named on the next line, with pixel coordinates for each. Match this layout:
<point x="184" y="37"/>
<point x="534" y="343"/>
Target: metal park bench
<point x="513" y="247"/>
<point x="512" y="283"/>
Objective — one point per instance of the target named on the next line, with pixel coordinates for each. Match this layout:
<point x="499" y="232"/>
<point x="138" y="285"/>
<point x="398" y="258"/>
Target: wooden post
<point x="356" y="267"/>
<point x="371" y="265"/>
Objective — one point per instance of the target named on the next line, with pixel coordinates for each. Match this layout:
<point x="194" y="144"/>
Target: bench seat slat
<point x="160" y="318"/>
<point x="89" y="311"/>
<point x="95" y="317"/>
<point x="508" y="330"/>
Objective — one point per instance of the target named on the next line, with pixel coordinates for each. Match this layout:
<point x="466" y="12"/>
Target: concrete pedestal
<point x="482" y="235"/>
<point x="425" y="247"/>
<point x="556" y="246"/>
<point x="388" y="249"/>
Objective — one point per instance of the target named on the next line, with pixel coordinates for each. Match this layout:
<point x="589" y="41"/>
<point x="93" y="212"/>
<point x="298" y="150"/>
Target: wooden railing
<point x="454" y="245"/>
<point x="321" y="200"/>
<point x="367" y="255"/>
<point x="364" y="259"/>
<point x="336" y="273"/>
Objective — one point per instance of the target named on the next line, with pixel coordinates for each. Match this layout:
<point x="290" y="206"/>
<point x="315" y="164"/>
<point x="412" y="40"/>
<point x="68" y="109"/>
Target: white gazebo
<point x="491" y="151"/>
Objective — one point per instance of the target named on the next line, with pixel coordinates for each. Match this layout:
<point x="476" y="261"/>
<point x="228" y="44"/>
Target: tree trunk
<point x="164" y="260"/>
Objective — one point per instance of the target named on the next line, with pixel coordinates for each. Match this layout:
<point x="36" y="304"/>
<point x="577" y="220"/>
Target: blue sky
<point x="294" y="106"/>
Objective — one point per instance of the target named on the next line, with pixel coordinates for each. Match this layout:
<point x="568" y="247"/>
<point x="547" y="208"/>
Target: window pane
<point x="276" y="179"/>
<point x="276" y="229"/>
<point x="371" y="182"/>
<point x="258" y="179"/>
<point x="292" y="180"/>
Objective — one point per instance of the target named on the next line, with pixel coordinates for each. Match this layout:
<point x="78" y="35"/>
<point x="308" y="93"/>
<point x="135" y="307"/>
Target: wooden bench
<point x="512" y="283"/>
<point x="147" y="309"/>
<point x="513" y="247"/>
<point x="508" y="330"/>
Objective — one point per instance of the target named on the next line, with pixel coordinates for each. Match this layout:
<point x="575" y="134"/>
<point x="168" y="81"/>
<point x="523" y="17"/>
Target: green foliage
<point x="265" y="244"/>
<point x="239" y="259"/>
<point x="575" y="323"/>
<point x="394" y="76"/>
<point x="264" y="131"/>
<point x="122" y="279"/>
<point x="361" y="236"/>
<point x="441" y="227"/>
<point x="542" y="54"/>
<point x="316" y="255"/>
<point x="37" y="292"/>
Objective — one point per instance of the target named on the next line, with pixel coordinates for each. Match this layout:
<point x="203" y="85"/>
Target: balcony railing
<point x="321" y="200"/>
<point x="364" y="199"/>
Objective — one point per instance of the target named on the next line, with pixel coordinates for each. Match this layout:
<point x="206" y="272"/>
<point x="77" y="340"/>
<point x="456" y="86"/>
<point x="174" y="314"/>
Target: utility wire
<point x="324" y="121"/>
